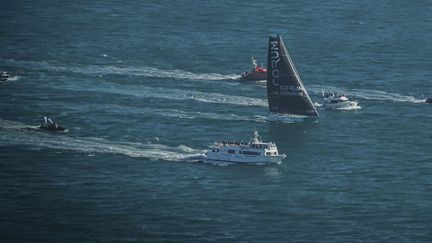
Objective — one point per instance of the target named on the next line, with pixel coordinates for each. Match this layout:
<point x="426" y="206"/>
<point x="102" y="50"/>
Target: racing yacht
<point x="288" y="99"/>
<point x="257" y="73"/>
<point x="338" y="101"/>
<point x="254" y="152"/>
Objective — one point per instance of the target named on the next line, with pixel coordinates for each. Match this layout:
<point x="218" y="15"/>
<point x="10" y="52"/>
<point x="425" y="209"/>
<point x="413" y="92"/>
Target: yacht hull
<point x="346" y="105"/>
<point x="289" y="118"/>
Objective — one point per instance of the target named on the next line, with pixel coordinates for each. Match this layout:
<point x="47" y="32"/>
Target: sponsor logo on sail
<point x="284" y="89"/>
<point x="274" y="60"/>
<point x="292" y="90"/>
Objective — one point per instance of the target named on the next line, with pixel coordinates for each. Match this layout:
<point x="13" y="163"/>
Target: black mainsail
<point x="285" y="90"/>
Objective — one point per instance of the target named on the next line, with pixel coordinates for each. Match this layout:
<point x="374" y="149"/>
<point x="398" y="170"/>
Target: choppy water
<point x="145" y="86"/>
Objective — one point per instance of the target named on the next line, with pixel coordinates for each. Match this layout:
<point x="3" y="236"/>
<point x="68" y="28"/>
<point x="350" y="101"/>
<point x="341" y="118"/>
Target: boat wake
<point x="214" y="116"/>
<point x="286" y="118"/>
<point x="367" y="94"/>
<point x="180" y="74"/>
<point x="171" y="113"/>
<point x="319" y="105"/>
<point x="349" y="108"/>
<point x="145" y="71"/>
<point x="13" y="78"/>
<point x="165" y="93"/>
<point x="14" y="133"/>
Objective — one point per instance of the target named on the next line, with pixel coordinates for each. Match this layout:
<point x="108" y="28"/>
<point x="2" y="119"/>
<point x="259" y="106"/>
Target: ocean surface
<point x="144" y="88"/>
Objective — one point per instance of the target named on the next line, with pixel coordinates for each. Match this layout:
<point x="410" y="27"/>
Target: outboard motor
<point x="429" y="100"/>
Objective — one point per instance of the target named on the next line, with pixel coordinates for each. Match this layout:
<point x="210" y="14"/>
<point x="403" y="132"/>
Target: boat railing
<point x="230" y="143"/>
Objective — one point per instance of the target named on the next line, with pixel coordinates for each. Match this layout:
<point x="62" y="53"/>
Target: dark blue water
<point x="145" y="86"/>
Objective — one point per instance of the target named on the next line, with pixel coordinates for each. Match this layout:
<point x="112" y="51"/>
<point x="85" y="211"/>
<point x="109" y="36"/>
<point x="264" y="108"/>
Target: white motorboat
<point x="338" y="101"/>
<point x="254" y="152"/>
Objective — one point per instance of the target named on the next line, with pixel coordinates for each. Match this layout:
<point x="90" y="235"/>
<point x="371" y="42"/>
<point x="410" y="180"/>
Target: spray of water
<point x="15" y="133"/>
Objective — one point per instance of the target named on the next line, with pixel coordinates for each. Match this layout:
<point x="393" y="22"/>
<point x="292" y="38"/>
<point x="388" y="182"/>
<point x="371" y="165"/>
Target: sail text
<point x="274" y="56"/>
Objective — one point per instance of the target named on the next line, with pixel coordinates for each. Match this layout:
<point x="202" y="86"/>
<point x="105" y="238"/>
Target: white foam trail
<point x="180" y="74"/>
<point x="366" y="94"/>
<point x="11" y="135"/>
<point x="13" y="78"/>
<point x="150" y="72"/>
<point x="213" y="116"/>
<point x="348" y="108"/>
<point x="161" y="92"/>
<point x="286" y="118"/>
<point x="173" y="113"/>
<point x="383" y="95"/>
<point x="145" y="71"/>
<point x="5" y="124"/>
<point x="10" y="79"/>
<point x="168" y="93"/>
<point x="316" y="104"/>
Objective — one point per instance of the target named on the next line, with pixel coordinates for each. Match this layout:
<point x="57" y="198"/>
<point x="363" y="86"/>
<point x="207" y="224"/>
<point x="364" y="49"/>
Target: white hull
<point x="345" y="105"/>
<point x="218" y="158"/>
<point x="253" y="153"/>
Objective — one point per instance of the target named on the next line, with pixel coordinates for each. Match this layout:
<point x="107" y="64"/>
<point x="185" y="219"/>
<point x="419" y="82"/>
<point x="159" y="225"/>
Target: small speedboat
<point x="53" y="127"/>
<point x="257" y="73"/>
<point x="429" y="100"/>
<point x="338" y="101"/>
<point x="49" y="125"/>
<point x="4" y="76"/>
<point x="254" y="152"/>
